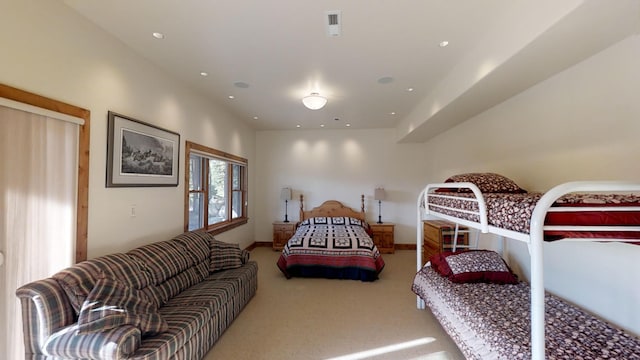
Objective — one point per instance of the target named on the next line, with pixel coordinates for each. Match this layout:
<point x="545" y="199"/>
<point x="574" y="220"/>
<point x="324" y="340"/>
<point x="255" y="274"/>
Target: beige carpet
<point x="334" y="319"/>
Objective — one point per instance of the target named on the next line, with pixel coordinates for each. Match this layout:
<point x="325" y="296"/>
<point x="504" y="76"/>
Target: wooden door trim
<point x="26" y="97"/>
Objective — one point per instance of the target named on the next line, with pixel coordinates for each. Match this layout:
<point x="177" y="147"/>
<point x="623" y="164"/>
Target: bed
<point x="331" y="241"/>
<point x="491" y="203"/>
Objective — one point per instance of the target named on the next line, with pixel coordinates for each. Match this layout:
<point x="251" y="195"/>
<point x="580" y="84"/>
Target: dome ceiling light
<point x="314" y="101"/>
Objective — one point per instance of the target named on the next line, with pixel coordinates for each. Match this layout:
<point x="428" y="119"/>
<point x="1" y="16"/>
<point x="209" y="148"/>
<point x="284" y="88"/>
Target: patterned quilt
<point x="492" y="321"/>
<point x="336" y="248"/>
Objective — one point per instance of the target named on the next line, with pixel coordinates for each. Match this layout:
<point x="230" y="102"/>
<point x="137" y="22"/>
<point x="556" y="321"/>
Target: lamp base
<point x="286" y="206"/>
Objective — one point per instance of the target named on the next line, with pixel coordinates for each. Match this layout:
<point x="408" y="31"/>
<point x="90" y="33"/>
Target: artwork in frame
<point x="140" y="154"/>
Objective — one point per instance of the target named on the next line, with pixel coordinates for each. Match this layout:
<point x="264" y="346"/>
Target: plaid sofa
<point x="167" y="300"/>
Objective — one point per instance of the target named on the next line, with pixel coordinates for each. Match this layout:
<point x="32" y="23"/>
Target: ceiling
<point x="269" y="54"/>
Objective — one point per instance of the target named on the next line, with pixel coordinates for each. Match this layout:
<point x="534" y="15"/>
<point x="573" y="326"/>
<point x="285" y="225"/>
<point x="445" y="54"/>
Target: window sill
<point x="226" y="226"/>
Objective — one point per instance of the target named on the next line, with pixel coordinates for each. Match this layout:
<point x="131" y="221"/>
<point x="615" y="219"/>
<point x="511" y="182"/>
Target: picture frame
<point x="140" y="154"/>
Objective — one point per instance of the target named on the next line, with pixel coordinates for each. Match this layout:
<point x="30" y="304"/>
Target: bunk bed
<point x="331" y="241"/>
<point x="491" y="203"/>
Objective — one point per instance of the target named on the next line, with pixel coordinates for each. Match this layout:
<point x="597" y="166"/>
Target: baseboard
<point x="405" y="246"/>
<point x="257" y="244"/>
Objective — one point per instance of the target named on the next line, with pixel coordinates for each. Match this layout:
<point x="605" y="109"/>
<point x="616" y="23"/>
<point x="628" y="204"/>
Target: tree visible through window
<point x="216" y="198"/>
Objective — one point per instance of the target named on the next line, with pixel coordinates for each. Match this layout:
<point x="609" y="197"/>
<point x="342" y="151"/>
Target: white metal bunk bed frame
<point x="535" y="238"/>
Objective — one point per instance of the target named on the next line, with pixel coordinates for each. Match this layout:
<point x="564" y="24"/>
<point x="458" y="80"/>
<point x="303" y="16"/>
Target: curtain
<point x="38" y="177"/>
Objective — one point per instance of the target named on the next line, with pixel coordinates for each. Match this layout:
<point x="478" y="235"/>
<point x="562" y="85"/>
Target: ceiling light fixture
<point x="314" y="101"/>
<point x="444" y="43"/>
<point x="158" y="35"/>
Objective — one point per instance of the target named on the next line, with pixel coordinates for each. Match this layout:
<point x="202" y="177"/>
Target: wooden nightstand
<point x="437" y="236"/>
<point x="282" y="232"/>
<point x="383" y="237"/>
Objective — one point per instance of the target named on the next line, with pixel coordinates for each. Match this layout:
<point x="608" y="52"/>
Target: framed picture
<point x="140" y="154"/>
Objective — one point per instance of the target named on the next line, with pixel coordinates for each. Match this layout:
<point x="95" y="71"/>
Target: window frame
<point x="207" y="153"/>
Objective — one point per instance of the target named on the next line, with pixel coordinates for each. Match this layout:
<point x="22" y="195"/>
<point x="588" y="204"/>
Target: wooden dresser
<point x="282" y="232"/>
<point x="383" y="237"/>
<point x="438" y="236"/>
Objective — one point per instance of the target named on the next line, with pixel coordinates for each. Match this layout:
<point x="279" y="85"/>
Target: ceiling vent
<point x="334" y="22"/>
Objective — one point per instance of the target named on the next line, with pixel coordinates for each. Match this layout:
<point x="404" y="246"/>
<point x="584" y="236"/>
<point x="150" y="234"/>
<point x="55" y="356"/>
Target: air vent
<point x="334" y="22"/>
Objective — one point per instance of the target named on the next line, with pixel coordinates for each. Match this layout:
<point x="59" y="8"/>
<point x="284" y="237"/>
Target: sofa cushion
<point x="184" y="323"/>
<point x="197" y="244"/>
<point x="112" y="304"/>
<point x="164" y="259"/>
<point x="224" y="256"/>
<point x="78" y="280"/>
<point x="162" y="293"/>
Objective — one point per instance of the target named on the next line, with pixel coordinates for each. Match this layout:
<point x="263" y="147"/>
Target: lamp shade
<point x="314" y="101"/>
<point x="285" y="194"/>
<point x="379" y="194"/>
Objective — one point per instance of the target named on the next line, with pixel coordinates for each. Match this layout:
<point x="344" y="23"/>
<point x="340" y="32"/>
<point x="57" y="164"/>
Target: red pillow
<point x="468" y="266"/>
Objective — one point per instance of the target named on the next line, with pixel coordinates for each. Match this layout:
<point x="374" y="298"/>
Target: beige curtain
<point x="38" y="176"/>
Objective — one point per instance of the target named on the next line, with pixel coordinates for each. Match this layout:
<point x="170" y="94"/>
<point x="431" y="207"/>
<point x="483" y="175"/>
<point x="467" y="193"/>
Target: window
<point x="216" y="198"/>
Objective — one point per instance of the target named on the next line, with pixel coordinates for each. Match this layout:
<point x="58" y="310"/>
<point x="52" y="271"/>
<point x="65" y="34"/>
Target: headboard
<point x="332" y="208"/>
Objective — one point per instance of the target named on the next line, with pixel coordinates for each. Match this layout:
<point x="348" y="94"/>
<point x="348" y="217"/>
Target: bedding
<point x="331" y="247"/>
<point x="512" y="211"/>
<point x="492" y="321"/>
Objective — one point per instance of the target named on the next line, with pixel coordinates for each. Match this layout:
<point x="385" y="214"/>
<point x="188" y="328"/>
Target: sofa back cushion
<point x="196" y="243"/>
<point x="77" y="281"/>
<point x="164" y="259"/>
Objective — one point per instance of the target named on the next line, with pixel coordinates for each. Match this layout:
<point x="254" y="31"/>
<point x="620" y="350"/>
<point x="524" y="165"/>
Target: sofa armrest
<point x="117" y="343"/>
<point x="45" y="309"/>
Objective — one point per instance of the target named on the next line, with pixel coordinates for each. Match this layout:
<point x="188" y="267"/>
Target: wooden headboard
<point x="332" y="208"/>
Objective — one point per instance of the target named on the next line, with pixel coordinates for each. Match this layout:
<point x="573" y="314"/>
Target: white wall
<point x="581" y="124"/>
<point x="50" y="50"/>
<point x="337" y="165"/>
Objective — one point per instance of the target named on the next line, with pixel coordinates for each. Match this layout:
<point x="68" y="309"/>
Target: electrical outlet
<point x="132" y="211"/>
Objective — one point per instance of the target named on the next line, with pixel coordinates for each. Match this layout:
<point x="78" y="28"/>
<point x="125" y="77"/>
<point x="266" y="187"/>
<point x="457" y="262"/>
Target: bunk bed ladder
<point x="469" y="245"/>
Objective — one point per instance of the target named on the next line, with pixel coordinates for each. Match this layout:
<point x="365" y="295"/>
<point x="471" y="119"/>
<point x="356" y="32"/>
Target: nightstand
<point x="383" y="237"/>
<point x="438" y="236"/>
<point x="282" y="232"/>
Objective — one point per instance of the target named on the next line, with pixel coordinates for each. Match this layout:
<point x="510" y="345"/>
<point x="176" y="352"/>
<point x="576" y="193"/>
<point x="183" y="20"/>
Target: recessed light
<point x="241" y="84"/>
<point x="231" y="97"/>
<point x="444" y="43"/>
<point x="298" y="125"/>
<point x="392" y="113"/>
<point x="321" y="125"/>
<point x="255" y="118"/>
<point x="347" y="125"/>
<point x="409" y="89"/>
<point x="158" y="35"/>
<point x="385" y="80"/>
<point x="204" y="73"/>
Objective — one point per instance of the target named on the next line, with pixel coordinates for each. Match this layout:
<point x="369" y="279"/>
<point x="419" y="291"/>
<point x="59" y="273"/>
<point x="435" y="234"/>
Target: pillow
<point x="473" y="266"/>
<point x="486" y="182"/>
<point x="332" y="220"/>
<point x="224" y="256"/>
<point x="112" y="303"/>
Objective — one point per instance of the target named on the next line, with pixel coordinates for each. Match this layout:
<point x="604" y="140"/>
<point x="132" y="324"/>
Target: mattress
<point x="492" y="321"/>
<point x="512" y="211"/>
